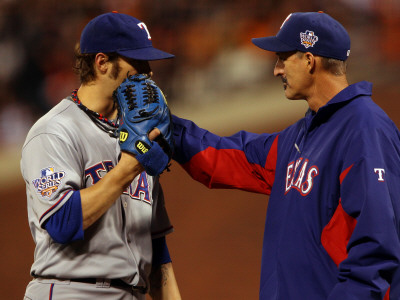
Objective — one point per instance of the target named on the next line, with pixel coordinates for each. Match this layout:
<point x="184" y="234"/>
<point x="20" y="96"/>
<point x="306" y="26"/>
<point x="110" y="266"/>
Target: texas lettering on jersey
<point x="300" y="176"/>
<point x="138" y="192"/>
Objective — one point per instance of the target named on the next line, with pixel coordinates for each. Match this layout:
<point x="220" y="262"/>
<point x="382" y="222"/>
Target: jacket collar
<point x="363" y="88"/>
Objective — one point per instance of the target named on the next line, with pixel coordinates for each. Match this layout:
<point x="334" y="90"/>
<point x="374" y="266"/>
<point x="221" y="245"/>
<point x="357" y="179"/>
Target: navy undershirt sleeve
<point x="66" y="225"/>
<point x="160" y="252"/>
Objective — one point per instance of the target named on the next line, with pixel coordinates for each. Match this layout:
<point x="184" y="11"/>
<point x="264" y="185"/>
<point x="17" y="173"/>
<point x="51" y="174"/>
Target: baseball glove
<point x="142" y="107"/>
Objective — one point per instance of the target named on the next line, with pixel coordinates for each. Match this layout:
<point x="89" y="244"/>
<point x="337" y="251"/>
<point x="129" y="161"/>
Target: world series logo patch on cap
<point x="308" y="38"/>
<point x="48" y="182"/>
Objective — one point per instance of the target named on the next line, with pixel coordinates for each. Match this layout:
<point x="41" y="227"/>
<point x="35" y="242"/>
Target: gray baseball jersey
<point x="66" y="150"/>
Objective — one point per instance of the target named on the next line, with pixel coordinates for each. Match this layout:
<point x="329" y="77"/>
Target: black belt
<point x="118" y="283"/>
<point x="113" y="282"/>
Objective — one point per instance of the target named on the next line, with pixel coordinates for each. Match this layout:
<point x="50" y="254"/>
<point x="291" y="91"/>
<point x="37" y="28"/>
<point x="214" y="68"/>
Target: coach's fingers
<point x="154" y="134"/>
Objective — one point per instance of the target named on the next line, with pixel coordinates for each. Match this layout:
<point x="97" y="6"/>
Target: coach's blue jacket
<point x="333" y="220"/>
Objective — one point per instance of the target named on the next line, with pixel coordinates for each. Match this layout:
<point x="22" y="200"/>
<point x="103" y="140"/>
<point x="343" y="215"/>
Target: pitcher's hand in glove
<point x="143" y="107"/>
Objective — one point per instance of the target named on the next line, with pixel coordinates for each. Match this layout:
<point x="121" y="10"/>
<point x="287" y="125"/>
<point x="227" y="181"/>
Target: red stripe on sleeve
<point x="344" y="174"/>
<point x="270" y="164"/>
<point x="229" y="168"/>
<point x="336" y="234"/>
<point x="387" y="295"/>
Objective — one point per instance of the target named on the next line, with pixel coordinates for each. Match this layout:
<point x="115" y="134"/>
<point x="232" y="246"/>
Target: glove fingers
<point x="142" y="107"/>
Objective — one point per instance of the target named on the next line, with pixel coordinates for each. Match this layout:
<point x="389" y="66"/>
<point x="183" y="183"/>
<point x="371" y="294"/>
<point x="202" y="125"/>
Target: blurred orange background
<point x="218" y="79"/>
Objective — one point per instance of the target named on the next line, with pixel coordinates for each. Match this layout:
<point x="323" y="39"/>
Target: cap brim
<point x="148" y="53"/>
<point x="272" y="43"/>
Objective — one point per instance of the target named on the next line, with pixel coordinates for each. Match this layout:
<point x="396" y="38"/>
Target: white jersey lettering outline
<point x="305" y="176"/>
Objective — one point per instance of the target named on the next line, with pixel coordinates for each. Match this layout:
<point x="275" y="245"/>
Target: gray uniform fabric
<point x="65" y="151"/>
<point x="39" y="289"/>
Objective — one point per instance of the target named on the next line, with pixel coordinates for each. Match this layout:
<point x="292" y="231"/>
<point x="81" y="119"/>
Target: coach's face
<point x="293" y="69"/>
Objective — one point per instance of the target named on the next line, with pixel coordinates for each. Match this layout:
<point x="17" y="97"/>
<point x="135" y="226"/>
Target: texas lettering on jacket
<point x="300" y="176"/>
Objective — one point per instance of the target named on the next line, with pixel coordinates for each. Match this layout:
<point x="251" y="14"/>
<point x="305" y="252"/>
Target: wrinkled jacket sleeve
<point x="243" y="161"/>
<point x="370" y="195"/>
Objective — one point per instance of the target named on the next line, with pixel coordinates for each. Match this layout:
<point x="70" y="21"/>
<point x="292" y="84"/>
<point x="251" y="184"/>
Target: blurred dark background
<point x="219" y="79"/>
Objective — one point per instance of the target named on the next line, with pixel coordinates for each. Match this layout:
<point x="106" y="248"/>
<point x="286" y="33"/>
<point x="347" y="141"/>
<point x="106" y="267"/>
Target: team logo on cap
<point x="308" y="38"/>
<point x="144" y="27"/>
<point x="48" y="182"/>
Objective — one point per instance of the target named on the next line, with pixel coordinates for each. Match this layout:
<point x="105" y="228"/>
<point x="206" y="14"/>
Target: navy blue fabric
<point x="347" y="153"/>
<point x="313" y="32"/>
<point x="120" y="33"/>
<point x="183" y="153"/>
<point x="66" y="224"/>
<point x="160" y="252"/>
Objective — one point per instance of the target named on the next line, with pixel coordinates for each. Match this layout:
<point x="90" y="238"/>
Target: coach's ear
<point x="309" y="60"/>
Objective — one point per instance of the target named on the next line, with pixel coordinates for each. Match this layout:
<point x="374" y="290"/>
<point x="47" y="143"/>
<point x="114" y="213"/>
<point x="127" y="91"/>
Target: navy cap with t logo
<point x="122" y="34"/>
<point x="314" y="32"/>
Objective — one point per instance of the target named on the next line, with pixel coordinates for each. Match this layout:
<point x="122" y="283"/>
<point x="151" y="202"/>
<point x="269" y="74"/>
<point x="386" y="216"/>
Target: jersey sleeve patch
<point x="48" y="182"/>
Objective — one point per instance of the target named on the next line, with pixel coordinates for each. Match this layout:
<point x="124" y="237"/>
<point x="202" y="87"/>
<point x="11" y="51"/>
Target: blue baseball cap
<point x="122" y="34"/>
<point x="314" y="32"/>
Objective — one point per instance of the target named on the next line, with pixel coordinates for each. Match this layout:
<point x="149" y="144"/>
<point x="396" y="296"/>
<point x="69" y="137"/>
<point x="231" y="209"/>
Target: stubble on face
<point x="115" y="70"/>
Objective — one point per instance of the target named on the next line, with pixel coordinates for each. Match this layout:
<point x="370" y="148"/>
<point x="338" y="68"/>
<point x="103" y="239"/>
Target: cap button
<point x="320" y="11"/>
<point x="115" y="11"/>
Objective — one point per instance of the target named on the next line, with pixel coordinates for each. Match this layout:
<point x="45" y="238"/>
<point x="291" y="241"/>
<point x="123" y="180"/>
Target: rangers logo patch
<point x="308" y="38"/>
<point x="48" y="182"/>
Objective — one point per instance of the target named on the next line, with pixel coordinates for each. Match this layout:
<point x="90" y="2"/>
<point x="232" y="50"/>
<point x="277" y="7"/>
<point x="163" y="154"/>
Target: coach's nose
<point x="278" y="69"/>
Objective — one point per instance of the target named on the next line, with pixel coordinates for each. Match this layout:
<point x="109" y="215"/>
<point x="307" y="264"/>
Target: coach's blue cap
<point x="120" y="33"/>
<point x="314" y="32"/>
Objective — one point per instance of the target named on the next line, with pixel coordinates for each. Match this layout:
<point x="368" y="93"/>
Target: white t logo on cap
<point x="143" y="26"/>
